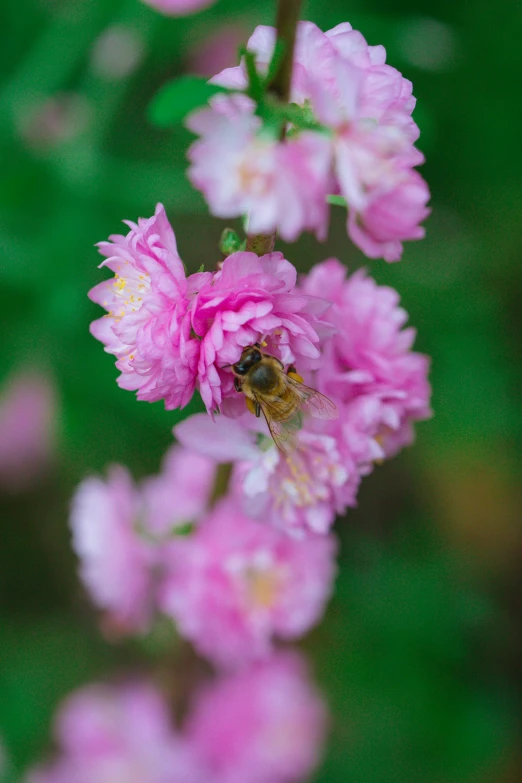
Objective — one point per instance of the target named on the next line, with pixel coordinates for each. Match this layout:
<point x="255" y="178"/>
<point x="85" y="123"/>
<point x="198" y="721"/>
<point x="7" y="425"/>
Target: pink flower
<point x="367" y="106"/>
<point x="303" y="491"/>
<point x="147" y="326"/>
<point x="179" y="495"/>
<point x="386" y="197"/>
<point x="178" y="7"/>
<point x="263" y="725"/>
<point x="114" y="558"/>
<point x="108" y="733"/>
<point x="27" y="429"/>
<point x="379" y="384"/>
<point x="249" y="300"/>
<point x="119" y="532"/>
<point x="235" y="584"/>
<point x="172" y="334"/>
<point x="216" y="51"/>
<point x="391" y="216"/>
<point x="242" y="169"/>
<point x="300" y="492"/>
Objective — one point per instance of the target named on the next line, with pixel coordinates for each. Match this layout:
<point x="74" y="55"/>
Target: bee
<point x="279" y="394"/>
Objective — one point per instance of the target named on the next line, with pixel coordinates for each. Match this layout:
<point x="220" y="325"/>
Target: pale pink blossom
<point x="179" y="7"/>
<point x="179" y="495"/>
<point x="115" y="559"/>
<point x="391" y="216"/>
<point x="28" y="409"/>
<point x="264" y="725"/>
<point x="340" y="65"/>
<point x="367" y="106"/>
<point x="251" y="299"/>
<point x="379" y="384"/>
<point x="236" y="584"/>
<point x="120" y="530"/>
<point x="300" y="492"/>
<point x="216" y="51"/>
<point x="117" y="733"/>
<point x="243" y="169"/>
<point x="147" y="326"/>
<point x="386" y="197"/>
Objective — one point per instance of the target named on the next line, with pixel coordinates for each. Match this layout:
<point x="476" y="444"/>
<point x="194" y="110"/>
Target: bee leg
<point x="258" y="409"/>
<point x="292" y="373"/>
<point x="251" y="405"/>
<point x="237" y="384"/>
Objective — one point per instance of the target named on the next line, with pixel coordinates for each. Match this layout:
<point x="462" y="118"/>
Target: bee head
<point x="249" y="357"/>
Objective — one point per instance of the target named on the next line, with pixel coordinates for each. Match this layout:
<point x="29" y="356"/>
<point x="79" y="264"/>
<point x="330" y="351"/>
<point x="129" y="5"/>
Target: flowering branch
<point x="286" y="27"/>
<point x="261" y="244"/>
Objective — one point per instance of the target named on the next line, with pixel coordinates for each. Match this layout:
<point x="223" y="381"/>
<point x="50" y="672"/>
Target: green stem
<point x="286" y="26"/>
<point x="221" y="482"/>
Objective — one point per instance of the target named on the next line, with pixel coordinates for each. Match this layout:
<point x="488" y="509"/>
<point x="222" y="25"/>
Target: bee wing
<point x="313" y="401"/>
<point x="283" y="432"/>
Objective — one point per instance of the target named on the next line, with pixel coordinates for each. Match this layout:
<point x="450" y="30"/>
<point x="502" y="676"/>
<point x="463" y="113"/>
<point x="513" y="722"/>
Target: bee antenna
<point x="224" y="366"/>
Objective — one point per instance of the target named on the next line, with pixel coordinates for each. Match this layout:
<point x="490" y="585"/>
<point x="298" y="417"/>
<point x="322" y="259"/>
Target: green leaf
<point x="177" y="98"/>
<point x="230" y="242"/>
<point x="255" y="84"/>
<point x="275" y="62"/>
<point x="184" y="530"/>
<point x="337" y="201"/>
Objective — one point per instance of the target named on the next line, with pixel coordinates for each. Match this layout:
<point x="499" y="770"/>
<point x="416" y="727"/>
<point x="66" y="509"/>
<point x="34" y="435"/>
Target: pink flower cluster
<point x="363" y="151"/>
<point x="265" y="725"/>
<point x="379" y="386"/>
<point x="232" y="584"/>
<point x="172" y="334"/>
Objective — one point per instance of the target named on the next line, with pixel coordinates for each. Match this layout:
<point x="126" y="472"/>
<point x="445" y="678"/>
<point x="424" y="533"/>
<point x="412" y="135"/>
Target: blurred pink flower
<point x="379" y="384"/>
<point x="236" y="584"/>
<point x="264" y="725"/>
<point x="179" y="494"/>
<point x="27" y="429"/>
<point x="179" y="7"/>
<point x="119" y="532"/>
<point x="117" y="52"/>
<point x="217" y="51"/>
<point x="171" y="333"/>
<point x="242" y="169"/>
<point x="391" y="215"/>
<point x="54" y="120"/>
<point x="114" y="559"/>
<point x="367" y="106"/>
<point x="116" y="733"/>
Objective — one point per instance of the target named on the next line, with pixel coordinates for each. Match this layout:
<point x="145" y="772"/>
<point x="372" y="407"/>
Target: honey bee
<point x="280" y="394"/>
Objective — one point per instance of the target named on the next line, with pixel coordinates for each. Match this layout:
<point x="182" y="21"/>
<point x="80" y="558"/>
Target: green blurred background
<point x="420" y="652"/>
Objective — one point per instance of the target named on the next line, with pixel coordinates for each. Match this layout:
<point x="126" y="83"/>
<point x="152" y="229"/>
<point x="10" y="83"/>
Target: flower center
<point x="254" y="178"/>
<point x="262" y="587"/>
<point x="128" y="289"/>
